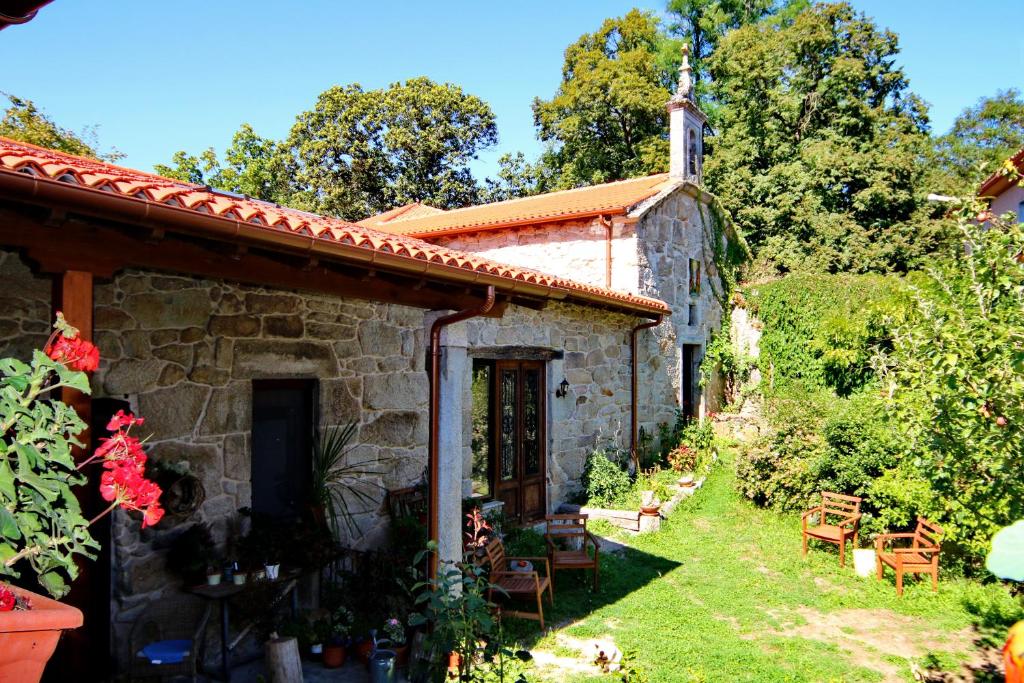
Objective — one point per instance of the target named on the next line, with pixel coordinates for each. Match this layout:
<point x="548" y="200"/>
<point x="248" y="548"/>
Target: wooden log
<point x="282" y="658"/>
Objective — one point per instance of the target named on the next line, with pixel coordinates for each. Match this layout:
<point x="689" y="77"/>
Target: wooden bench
<point x="519" y="584"/>
<point x="838" y="521"/>
<point x="571" y="531"/>
<point x="922" y="557"/>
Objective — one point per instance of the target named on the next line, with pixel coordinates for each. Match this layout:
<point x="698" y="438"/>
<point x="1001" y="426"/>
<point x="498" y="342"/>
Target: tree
<point x="703" y="23"/>
<point x="516" y="178"/>
<point x="608" y="119"/>
<point x="956" y="378"/>
<point x="360" y="152"/>
<point x="981" y="138"/>
<point x="821" y="140"/>
<point x="252" y="166"/>
<point x="24" y="121"/>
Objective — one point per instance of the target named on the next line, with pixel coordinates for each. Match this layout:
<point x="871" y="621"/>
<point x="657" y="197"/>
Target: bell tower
<point x="686" y="127"/>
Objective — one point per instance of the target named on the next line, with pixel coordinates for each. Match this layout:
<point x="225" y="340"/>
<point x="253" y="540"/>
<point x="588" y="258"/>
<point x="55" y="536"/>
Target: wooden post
<point x="283" y="661"/>
<point x="84" y="653"/>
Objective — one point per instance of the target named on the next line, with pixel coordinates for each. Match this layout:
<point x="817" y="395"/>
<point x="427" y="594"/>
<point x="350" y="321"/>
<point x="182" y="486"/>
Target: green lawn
<point x="721" y="593"/>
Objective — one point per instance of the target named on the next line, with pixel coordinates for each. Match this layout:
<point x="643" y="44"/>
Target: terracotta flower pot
<point x="29" y="637"/>
<point x="363" y="650"/>
<point x="649" y="510"/>
<point x="401" y="654"/>
<point x="334" y="656"/>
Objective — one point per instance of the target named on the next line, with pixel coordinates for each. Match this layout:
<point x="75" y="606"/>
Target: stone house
<point x="239" y="329"/>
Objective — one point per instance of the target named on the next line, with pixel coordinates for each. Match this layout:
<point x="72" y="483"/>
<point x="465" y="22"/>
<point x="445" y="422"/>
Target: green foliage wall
<point x="822" y="330"/>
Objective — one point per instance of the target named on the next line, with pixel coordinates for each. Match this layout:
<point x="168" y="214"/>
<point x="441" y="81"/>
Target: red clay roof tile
<point x="609" y="198"/>
<point x="134" y="185"/>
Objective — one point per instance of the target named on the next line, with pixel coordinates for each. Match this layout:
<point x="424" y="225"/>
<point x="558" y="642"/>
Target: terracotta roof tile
<point x="133" y="185"/>
<point x="414" y="210"/>
<point x="609" y="198"/>
<point x="1000" y="180"/>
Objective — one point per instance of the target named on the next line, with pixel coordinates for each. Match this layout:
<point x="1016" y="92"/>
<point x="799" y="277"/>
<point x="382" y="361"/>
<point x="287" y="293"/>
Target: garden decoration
<point x="42" y="528"/>
<point x="1006" y="560"/>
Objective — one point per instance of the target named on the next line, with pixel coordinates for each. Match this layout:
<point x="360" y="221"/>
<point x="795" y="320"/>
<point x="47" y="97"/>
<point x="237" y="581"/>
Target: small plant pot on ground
<point x="334" y="655"/>
<point x="687" y="482"/>
<point x="213" y="579"/>
<point x="29" y="637"/>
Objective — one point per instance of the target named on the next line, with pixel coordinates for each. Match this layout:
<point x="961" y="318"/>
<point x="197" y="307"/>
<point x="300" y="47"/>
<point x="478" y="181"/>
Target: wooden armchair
<point x="519" y="584"/>
<point x="838" y="521"/>
<point x="571" y="531"/>
<point x="922" y="557"/>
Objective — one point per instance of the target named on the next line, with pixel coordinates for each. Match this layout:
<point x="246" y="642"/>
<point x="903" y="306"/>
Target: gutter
<point x="435" y="405"/>
<point x="633" y="420"/>
<point x="48" y="192"/>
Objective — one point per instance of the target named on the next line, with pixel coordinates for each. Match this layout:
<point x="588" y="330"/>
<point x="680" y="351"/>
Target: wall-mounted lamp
<point x="563" y="389"/>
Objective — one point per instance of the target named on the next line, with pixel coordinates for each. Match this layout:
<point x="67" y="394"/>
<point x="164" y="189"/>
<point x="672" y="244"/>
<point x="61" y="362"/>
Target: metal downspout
<point x="435" y="404"/>
<point x="633" y="420"/>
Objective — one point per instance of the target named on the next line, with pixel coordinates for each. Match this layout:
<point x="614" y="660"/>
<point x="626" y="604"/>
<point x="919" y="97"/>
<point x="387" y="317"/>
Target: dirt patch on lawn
<point x="872" y="637"/>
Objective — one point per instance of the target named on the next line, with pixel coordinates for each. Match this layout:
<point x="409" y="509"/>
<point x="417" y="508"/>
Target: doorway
<point x="284" y="418"/>
<point x="688" y="385"/>
<point x="519" y="458"/>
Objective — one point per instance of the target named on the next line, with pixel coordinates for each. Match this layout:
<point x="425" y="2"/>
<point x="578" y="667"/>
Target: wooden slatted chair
<point x="571" y="532"/>
<point x="829" y="529"/>
<point x="519" y="584"/>
<point x="922" y="557"/>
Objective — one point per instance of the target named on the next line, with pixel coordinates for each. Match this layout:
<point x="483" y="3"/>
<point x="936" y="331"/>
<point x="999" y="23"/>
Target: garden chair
<point x="830" y="529"/>
<point x="922" y="557"/>
<point x="517" y="583"/>
<point x="567" y="538"/>
<point x="167" y="638"/>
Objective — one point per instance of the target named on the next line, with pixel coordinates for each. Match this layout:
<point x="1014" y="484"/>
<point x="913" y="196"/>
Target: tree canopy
<point x="982" y="137"/>
<point x="608" y="119"/>
<point x="819" y="153"/>
<point x="358" y="152"/>
<point x="26" y="122"/>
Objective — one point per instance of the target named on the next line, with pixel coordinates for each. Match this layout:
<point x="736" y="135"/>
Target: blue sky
<point x="157" y="77"/>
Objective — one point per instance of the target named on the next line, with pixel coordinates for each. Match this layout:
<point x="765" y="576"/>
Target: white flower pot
<point x="273" y="571"/>
<point x="864" y="561"/>
<point x="213" y="579"/>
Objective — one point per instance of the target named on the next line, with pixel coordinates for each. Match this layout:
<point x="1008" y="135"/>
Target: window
<point x="692" y="317"/>
<point x="283" y="430"/>
<point x="691" y="152"/>
<point x="694" y="277"/>
<point x="481" y="439"/>
<point x="1020" y="212"/>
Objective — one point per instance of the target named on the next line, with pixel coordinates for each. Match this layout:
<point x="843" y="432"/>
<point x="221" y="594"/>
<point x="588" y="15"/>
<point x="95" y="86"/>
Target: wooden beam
<point x="73" y="298"/>
<point x="104" y="250"/>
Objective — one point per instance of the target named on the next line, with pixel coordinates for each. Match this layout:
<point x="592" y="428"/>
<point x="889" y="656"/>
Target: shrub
<point x="604" y="480"/>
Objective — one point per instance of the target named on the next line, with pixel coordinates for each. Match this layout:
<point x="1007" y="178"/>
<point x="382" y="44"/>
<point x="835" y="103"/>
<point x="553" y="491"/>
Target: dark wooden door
<point x="520" y="476"/>
<point x="690" y="354"/>
<point x="283" y="426"/>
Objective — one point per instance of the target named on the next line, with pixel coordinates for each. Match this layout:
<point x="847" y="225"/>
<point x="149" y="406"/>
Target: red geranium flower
<point x="75" y="352"/>
<point x="7" y="599"/>
<point x="122" y="420"/>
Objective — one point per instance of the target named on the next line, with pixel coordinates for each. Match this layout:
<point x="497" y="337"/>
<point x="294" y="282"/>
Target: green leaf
<point x="54" y="584"/>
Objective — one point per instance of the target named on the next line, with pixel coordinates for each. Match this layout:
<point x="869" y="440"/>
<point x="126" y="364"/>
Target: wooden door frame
<point x="519" y="364"/>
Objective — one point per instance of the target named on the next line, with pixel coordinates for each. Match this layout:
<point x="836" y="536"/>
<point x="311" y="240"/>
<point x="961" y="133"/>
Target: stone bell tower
<point x="686" y="127"/>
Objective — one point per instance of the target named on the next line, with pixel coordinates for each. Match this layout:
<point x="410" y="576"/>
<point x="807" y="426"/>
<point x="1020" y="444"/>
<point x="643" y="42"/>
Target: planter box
<point x="29" y="637"/>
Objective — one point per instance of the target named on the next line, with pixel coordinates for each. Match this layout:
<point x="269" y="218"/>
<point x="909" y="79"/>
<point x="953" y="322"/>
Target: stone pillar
<point x="454" y="366"/>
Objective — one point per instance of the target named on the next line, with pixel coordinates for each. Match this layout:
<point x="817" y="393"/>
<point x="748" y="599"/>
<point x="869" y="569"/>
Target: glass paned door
<point x="519" y="433"/>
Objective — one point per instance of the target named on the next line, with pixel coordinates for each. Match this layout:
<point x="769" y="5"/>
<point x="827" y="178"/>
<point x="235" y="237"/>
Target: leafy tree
<point x="608" y="120"/>
<point x="981" y="138"/>
<point x="703" y="23"/>
<point x="818" y="156"/>
<point x="956" y="379"/>
<point x="24" y="121"/>
<point x="359" y="152"/>
<point x="516" y="178"/>
<point x="252" y="166"/>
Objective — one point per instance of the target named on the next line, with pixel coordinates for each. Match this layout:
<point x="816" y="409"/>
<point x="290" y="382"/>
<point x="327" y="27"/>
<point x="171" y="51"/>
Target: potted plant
<point x="394" y="629"/>
<point x="683" y="460"/>
<point x="321" y="633"/>
<point x="213" y="576"/>
<point x="334" y="648"/>
<point x="42" y="529"/>
<point x="192" y="553"/>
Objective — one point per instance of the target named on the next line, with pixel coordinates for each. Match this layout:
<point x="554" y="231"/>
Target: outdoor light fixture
<point x="563" y="389"/>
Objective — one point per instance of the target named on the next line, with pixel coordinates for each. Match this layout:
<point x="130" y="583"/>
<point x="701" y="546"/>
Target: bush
<point x="604" y="480"/>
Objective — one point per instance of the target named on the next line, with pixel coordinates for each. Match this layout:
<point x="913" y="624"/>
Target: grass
<point x="722" y="593"/>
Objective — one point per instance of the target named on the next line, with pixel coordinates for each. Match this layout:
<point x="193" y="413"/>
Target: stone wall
<point x="576" y="249"/>
<point x="670" y="233"/>
<point x="596" y="364"/>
